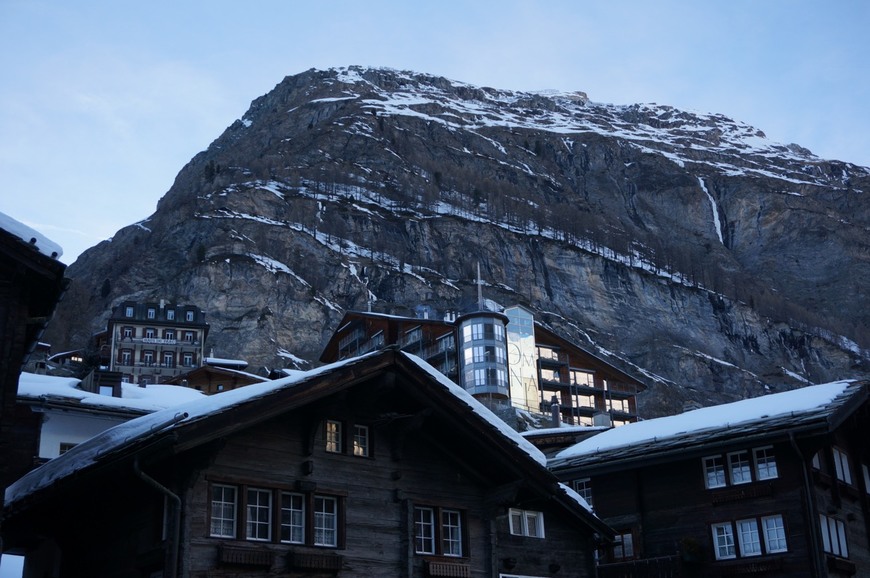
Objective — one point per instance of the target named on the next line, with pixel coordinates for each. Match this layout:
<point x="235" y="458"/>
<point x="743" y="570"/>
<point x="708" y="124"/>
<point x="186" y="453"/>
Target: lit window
<point x="424" y="530"/>
<point x="841" y="466"/>
<point x="723" y="541"/>
<point x="765" y="464"/>
<point x="325" y="521"/>
<point x="714" y="470"/>
<point x="738" y="467"/>
<point x="526" y="523"/>
<point x="293" y="518"/>
<point x="333" y="436"/>
<point x="259" y="521"/>
<point x="584" y="488"/>
<point x="223" y="511"/>
<point x="748" y="538"/>
<point x="833" y="536"/>
<point x="361" y="440"/>
<point x="774" y="534"/>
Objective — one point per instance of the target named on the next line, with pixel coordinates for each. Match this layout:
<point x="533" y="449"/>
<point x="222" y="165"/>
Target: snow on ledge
<point x="34" y="238"/>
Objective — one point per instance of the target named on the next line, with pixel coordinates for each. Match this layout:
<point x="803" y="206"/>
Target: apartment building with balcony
<point x="504" y="359"/>
<point x="153" y="342"/>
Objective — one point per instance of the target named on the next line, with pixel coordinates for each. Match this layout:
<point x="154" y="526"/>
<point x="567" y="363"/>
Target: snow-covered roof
<point x="137" y="430"/>
<point x="737" y="417"/>
<point x="221" y="362"/>
<point x="133" y="398"/>
<point x="34" y="238"/>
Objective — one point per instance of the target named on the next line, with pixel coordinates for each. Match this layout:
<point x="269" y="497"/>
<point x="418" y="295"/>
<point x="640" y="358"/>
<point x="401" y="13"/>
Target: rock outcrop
<point x="687" y="249"/>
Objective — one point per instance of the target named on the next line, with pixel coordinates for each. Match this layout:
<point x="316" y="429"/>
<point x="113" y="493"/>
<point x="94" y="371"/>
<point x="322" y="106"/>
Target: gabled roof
<point x="196" y="423"/>
<point x="818" y="408"/>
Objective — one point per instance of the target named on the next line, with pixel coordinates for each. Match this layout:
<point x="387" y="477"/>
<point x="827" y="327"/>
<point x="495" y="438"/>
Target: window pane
<point x="361" y="441"/>
<point x="723" y="538"/>
<point x="424" y="531"/>
<point x="738" y="464"/>
<point x="765" y="464"/>
<point x="841" y="538"/>
<point x="333" y="436"/>
<point x="516" y="521"/>
<point x="714" y="469"/>
<point x="325" y="521"/>
<point x="293" y="518"/>
<point x="774" y="534"/>
<point x="451" y="533"/>
<point x="747" y="534"/>
<point x="223" y="511"/>
<point x="532" y="524"/>
<point x="259" y="523"/>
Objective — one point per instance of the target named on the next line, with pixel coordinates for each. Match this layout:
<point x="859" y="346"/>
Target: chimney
<point x="555" y="412"/>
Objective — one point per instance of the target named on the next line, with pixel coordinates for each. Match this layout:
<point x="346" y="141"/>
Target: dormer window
<point x="188" y="316"/>
<point x="128" y="311"/>
<point x="170" y="314"/>
<point x="152" y="313"/>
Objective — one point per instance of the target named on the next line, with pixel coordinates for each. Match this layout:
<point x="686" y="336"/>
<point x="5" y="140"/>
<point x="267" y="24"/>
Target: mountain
<point x="684" y="248"/>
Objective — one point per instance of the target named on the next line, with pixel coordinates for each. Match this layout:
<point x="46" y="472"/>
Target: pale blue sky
<point x="103" y="102"/>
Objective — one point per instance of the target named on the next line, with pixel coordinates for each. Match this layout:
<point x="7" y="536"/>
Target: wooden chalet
<point x="31" y="283"/>
<point x="213" y="379"/>
<point x="375" y="466"/>
<point x="771" y="486"/>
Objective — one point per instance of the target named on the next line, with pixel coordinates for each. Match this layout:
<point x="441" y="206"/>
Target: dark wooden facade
<point x="435" y="461"/>
<point x="655" y="495"/>
<point x="31" y="283"/>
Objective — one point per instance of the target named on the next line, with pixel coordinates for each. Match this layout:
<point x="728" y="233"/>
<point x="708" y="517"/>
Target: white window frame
<point x="258" y="519"/>
<point x="188" y="316"/>
<point x="527" y="523"/>
<point x="361" y="440"/>
<point x="151" y="313"/>
<point x="739" y="468"/>
<point x="765" y="463"/>
<point x="773" y="528"/>
<point x="292" y="518"/>
<point x="724" y="546"/>
<point x="332" y="436"/>
<point x="748" y="538"/>
<point x="583" y="487"/>
<point x="424" y="530"/>
<point x="717" y="469"/>
<point x="833" y="536"/>
<point x="128" y="311"/>
<point x="451" y="533"/>
<point x="842" y="466"/>
<point x="170" y="314"/>
<point x="224" y="511"/>
<point x="325" y="521"/>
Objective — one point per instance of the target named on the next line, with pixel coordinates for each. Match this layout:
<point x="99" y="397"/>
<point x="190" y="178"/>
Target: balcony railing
<point x="660" y="567"/>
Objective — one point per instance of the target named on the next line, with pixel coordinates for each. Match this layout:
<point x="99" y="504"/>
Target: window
<point x="584" y="488"/>
<point x="451" y="533"/>
<point x="714" y="471"/>
<point x="126" y="357"/>
<point x="623" y="546"/>
<point x="747" y="538"/>
<point x="127" y="332"/>
<point x="302" y="518"/>
<point x="333" y="436"/>
<point x="65" y="447"/>
<point x="738" y="468"/>
<point x="188" y="336"/>
<point x="765" y="464"/>
<point x="223" y="511"/>
<point x="148" y="357"/>
<point x="150" y="333"/>
<point x="170" y="314"/>
<point x="526" y="523"/>
<point x="169" y="334"/>
<point x="841" y="466"/>
<point x="187" y="359"/>
<point x="128" y="311"/>
<point x="424" y="530"/>
<point x="325" y="521"/>
<point x="188" y="316"/>
<point x="152" y="313"/>
<point x="723" y="541"/>
<point x="259" y="515"/>
<point x="866" y="471"/>
<point x="168" y="359"/>
<point x="292" y="518"/>
<point x="774" y="534"/>
<point x="833" y="536"/>
<point x="361" y="440"/>
<point x="444" y="538"/>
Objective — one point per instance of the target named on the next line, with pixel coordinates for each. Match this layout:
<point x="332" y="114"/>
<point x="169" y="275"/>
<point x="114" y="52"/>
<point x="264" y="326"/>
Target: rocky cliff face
<point x="686" y="249"/>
